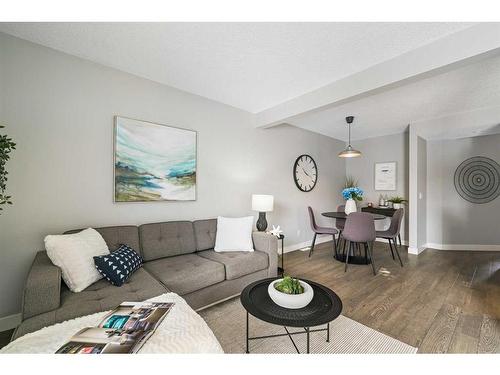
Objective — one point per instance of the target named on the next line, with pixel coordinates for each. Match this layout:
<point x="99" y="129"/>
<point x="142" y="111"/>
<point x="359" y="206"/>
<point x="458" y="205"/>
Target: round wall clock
<point x="305" y="173"/>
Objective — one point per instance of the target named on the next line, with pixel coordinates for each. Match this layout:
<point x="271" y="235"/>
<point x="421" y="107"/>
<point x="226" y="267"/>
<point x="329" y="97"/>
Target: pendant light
<point x="349" y="152"/>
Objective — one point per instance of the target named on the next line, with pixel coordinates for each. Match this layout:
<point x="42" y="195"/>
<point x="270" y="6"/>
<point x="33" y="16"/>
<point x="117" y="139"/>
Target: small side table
<point x="281" y="270"/>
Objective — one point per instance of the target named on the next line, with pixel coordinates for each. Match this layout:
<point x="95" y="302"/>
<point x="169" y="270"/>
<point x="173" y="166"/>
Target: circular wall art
<point x="477" y="179"/>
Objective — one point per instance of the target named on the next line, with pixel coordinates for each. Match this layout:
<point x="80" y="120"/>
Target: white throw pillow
<point x="74" y="255"/>
<point x="234" y="234"/>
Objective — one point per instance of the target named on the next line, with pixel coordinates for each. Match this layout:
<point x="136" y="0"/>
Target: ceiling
<point x="459" y="103"/>
<point x="253" y="66"/>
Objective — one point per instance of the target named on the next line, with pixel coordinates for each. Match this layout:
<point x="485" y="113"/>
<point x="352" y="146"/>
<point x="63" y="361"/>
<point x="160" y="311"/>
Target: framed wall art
<point x="385" y="176"/>
<point x="153" y="162"/>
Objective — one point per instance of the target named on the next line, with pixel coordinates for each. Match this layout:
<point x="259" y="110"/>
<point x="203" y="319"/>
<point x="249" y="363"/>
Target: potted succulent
<point x="397" y="202"/>
<point x="351" y="194"/>
<point x="290" y="293"/>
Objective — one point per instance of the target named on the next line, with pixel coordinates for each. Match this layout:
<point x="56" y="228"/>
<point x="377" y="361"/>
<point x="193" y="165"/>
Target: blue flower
<point x="352" y="193"/>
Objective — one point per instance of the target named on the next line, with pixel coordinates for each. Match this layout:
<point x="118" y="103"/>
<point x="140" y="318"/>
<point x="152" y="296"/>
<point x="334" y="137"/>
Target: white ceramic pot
<point x="350" y="206"/>
<point x="291" y="301"/>
<point x="397" y="206"/>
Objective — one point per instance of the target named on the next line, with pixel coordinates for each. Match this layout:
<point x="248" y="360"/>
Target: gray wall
<point x="422" y="191"/>
<point x="381" y="149"/>
<point x="451" y="219"/>
<point x="59" y="109"/>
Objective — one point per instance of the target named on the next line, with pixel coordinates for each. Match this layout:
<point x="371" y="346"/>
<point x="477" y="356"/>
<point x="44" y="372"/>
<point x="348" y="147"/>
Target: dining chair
<point x="339" y="224"/>
<point x="359" y="230"/>
<point x="393" y="232"/>
<point x="321" y="230"/>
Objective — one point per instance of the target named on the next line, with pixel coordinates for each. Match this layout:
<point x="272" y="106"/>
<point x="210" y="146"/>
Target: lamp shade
<point x="262" y="203"/>
<point x="349" y="152"/>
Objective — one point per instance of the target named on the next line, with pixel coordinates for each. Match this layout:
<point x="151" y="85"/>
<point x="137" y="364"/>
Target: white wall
<point x="451" y="219"/>
<point x="381" y="149"/>
<point x="59" y="109"/>
<point x="422" y="192"/>
<point x="417" y="192"/>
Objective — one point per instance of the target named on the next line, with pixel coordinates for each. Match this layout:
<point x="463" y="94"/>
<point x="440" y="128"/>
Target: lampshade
<point x="262" y="203"/>
<point x="349" y="152"/>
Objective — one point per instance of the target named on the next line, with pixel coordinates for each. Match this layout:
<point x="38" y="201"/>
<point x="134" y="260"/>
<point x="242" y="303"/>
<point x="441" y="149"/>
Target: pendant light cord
<point x="349" y="134"/>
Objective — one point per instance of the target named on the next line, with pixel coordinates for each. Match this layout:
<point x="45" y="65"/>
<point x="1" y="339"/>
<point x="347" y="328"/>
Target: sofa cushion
<point x="186" y="273"/>
<point x="160" y="240"/>
<point x="102" y="296"/>
<point x="238" y="263"/>
<point x="205" y="232"/>
<point x="117" y="235"/>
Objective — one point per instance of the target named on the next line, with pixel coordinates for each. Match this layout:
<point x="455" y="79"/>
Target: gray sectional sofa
<point x="178" y="257"/>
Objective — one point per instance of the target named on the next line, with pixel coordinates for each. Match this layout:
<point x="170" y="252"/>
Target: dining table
<point x="358" y="257"/>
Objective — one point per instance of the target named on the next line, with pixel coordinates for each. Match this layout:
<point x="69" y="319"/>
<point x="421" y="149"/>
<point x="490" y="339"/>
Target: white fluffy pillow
<point x="234" y="234"/>
<point x="74" y="255"/>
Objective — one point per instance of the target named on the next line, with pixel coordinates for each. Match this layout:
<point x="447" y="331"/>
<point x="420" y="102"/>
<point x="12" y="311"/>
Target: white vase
<point x="397" y="206"/>
<point x="350" y="206"/>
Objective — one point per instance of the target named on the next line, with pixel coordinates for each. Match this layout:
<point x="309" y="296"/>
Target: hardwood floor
<point x="440" y="301"/>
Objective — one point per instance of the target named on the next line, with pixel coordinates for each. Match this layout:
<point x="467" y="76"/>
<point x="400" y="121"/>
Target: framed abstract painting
<point x="153" y="162"/>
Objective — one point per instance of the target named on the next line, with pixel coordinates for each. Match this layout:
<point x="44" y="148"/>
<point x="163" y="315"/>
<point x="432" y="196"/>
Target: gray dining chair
<point x="359" y="230"/>
<point x="393" y="232"/>
<point x="321" y="230"/>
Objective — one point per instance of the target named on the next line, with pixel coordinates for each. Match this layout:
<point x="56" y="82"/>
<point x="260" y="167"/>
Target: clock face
<point x="305" y="173"/>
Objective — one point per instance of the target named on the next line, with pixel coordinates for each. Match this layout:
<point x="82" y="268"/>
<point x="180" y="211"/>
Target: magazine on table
<point x="123" y="330"/>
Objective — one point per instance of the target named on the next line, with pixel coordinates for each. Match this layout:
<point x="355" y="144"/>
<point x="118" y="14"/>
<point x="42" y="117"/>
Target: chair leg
<point x="397" y="252"/>
<point x="390" y="247"/>
<point x="335" y="247"/>
<point x="370" y="251"/>
<point x="349" y="246"/>
<point x="399" y="238"/>
<point x="312" y="245"/>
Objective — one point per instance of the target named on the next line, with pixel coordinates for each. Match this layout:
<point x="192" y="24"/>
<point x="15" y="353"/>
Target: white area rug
<point x="227" y="321"/>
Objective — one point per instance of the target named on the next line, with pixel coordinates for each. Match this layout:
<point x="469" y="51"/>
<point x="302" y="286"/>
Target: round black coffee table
<point x="324" y="307"/>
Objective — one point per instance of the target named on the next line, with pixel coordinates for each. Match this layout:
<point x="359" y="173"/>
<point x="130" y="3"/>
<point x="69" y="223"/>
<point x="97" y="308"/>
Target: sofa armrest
<point x="267" y="243"/>
<point x="42" y="290"/>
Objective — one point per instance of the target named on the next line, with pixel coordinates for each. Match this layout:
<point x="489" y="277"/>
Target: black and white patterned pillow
<point x="118" y="266"/>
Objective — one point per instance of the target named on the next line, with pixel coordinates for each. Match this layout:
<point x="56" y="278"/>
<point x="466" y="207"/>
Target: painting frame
<point x="388" y="182"/>
<point x="116" y="118"/>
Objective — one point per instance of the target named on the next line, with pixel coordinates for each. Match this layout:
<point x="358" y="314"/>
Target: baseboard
<point x="463" y="247"/>
<point x="404" y="242"/>
<point x="10" y="322"/>
<point x="416" y="250"/>
<point x="305" y="246"/>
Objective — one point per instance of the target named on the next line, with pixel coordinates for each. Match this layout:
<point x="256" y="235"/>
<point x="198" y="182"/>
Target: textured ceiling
<point x="460" y="103"/>
<point x="252" y="66"/>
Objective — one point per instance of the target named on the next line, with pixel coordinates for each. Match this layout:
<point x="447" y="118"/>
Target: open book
<point x="123" y="330"/>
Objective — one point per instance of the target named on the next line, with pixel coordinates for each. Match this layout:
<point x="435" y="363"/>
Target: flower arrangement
<point x="353" y="193"/>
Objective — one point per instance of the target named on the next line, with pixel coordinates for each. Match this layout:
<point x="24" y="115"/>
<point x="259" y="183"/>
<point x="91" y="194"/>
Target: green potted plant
<point x="6" y="147"/>
<point x="397" y="202"/>
<point x="290" y="292"/>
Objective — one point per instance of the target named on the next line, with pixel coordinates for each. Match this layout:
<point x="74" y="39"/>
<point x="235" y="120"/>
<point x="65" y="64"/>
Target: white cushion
<point x="74" y="255"/>
<point x="234" y="234"/>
